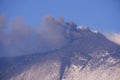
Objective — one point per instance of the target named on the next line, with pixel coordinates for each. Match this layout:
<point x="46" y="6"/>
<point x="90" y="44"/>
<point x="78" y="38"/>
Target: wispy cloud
<point x="2" y="21"/>
<point x="115" y="37"/>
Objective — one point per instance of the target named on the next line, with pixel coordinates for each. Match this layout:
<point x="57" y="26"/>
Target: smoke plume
<point x="20" y="38"/>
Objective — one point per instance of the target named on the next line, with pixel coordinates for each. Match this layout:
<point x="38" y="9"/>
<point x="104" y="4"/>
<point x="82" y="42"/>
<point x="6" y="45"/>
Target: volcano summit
<point x="75" y="53"/>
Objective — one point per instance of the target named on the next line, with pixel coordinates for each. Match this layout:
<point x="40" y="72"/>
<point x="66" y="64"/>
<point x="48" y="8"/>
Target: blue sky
<point x="103" y="15"/>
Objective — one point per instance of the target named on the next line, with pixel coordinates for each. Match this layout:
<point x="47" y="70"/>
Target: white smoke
<point x="115" y="37"/>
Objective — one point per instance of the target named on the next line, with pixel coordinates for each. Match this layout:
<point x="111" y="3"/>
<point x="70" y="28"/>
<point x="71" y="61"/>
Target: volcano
<point x="88" y="55"/>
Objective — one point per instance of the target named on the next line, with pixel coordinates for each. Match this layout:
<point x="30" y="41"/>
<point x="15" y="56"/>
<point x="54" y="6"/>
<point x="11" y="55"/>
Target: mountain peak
<point x="82" y="28"/>
<point x="84" y="52"/>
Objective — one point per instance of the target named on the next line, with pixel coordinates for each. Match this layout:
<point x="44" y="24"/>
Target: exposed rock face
<point x="88" y="56"/>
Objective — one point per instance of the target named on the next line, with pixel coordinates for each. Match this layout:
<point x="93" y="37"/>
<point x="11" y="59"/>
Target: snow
<point x="98" y="74"/>
<point x="50" y="71"/>
<point x="111" y="60"/>
<point x="105" y="53"/>
<point x="95" y="31"/>
<point x="82" y="27"/>
<point x="47" y="71"/>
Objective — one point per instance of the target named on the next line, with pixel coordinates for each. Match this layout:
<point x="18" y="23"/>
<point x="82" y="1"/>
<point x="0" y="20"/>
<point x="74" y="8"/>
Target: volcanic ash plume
<point x="20" y="38"/>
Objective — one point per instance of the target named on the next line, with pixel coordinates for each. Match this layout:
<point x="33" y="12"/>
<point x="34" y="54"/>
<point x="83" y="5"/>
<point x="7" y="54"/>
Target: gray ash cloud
<point x="23" y="39"/>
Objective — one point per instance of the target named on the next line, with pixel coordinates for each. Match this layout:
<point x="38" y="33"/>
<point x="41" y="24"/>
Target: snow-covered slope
<point x="88" y="56"/>
<point x="96" y="69"/>
<point x="47" y="71"/>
